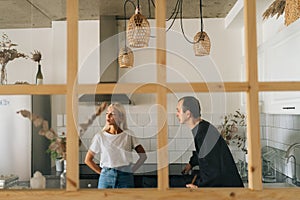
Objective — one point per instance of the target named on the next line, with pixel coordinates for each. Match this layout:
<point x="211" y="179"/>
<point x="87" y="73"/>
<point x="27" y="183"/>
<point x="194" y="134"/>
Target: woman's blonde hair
<point x="122" y="115"/>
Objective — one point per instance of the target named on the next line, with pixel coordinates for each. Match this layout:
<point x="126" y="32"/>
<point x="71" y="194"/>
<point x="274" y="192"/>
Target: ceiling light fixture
<point x="201" y="39"/>
<point x="126" y="56"/>
<point x="137" y="34"/>
<point x="201" y="43"/>
<point x="138" y="30"/>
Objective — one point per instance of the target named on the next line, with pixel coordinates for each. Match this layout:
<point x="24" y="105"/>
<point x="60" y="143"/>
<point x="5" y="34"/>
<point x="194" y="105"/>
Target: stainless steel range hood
<point x="98" y="98"/>
<point x="109" y="67"/>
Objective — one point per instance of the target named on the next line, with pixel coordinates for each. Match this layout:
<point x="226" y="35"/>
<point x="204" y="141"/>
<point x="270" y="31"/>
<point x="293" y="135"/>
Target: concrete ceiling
<point x="40" y="13"/>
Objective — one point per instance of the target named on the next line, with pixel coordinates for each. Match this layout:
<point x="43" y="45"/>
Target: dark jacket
<point x="216" y="165"/>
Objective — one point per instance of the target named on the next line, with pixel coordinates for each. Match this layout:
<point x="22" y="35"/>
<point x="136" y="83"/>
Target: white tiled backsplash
<point x="281" y="131"/>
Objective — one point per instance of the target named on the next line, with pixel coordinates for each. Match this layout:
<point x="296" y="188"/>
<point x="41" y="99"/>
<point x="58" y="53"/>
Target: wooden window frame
<point x="252" y="87"/>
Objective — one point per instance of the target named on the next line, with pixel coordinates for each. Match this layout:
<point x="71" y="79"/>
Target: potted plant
<point x="57" y="150"/>
<point x="229" y="129"/>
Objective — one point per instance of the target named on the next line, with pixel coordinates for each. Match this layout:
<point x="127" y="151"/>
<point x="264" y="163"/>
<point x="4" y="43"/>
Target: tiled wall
<point x="280" y="131"/>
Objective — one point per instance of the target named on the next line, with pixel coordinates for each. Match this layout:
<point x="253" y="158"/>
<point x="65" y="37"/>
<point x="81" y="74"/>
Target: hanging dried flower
<point x="57" y="147"/>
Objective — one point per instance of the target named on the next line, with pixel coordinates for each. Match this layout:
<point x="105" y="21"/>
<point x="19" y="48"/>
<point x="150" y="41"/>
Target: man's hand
<point x="187" y="169"/>
<point x="191" y="186"/>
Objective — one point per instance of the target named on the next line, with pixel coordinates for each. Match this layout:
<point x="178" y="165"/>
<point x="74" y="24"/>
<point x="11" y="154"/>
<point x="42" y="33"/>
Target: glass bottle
<point x="39" y="76"/>
<point x="63" y="175"/>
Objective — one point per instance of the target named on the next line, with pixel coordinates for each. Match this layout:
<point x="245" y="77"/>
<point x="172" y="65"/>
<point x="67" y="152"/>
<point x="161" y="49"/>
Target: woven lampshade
<point x="201" y="44"/>
<point x="125" y="57"/>
<point x="138" y="31"/>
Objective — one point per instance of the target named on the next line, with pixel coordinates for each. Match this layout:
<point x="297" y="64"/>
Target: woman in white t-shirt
<point x="115" y="144"/>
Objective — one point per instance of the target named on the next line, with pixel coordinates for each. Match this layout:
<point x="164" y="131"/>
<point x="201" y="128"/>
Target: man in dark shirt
<point x="216" y="165"/>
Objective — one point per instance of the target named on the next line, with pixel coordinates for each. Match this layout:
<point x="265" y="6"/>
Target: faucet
<point x="294" y="179"/>
<point x="289" y="155"/>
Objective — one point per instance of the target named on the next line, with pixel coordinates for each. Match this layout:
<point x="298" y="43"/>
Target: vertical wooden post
<point x="253" y="128"/>
<point x="72" y="99"/>
<point x="162" y="137"/>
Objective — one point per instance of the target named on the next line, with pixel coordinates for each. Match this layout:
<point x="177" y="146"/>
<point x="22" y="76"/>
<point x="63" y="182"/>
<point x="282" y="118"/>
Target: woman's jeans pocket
<point x="113" y="178"/>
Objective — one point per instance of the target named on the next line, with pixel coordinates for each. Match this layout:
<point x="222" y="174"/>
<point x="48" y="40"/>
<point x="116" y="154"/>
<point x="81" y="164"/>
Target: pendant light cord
<point x="201" y="23"/>
<point x="125" y="24"/>
<point x="201" y="17"/>
<point x="174" y="14"/>
<point x="178" y="10"/>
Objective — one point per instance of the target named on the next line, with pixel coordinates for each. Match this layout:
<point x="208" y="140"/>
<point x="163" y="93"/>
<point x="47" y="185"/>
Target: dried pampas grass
<point x="277" y="7"/>
<point x="290" y="8"/>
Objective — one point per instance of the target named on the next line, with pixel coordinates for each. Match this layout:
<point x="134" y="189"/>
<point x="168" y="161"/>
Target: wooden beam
<point x="253" y="128"/>
<point x="279" y="86"/>
<point x="113" y="88"/>
<point x="208" y="87"/>
<point x="72" y="97"/>
<point x="131" y="88"/>
<point x="32" y="89"/>
<point x="151" y="194"/>
<point x="108" y="88"/>
<point x="161" y="57"/>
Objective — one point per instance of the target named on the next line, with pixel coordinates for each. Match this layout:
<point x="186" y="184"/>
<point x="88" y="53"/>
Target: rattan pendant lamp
<point x="201" y="42"/>
<point x="138" y="29"/>
<point x="201" y="39"/>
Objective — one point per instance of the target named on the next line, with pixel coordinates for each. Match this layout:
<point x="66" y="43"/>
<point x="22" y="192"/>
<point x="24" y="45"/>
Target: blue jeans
<point x="115" y="178"/>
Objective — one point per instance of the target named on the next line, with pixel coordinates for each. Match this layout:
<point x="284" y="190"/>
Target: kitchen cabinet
<point x="279" y="60"/>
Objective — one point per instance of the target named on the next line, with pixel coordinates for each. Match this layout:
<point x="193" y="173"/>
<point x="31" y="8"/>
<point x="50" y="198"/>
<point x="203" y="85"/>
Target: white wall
<point x="15" y="137"/>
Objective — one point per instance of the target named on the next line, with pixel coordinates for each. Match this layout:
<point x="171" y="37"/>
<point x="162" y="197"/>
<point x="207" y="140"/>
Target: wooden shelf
<point x="32" y="89"/>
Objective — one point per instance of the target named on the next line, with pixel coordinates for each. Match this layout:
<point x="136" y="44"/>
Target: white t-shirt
<point x="115" y="149"/>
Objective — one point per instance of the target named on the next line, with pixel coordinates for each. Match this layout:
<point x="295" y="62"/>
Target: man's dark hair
<point x="192" y="104"/>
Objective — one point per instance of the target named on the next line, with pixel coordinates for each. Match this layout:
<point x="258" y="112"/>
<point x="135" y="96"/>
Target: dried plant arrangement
<point x="276" y="8"/>
<point x="57" y="147"/>
<point x="36" y="56"/>
<point x="8" y="52"/>
<point x="290" y="9"/>
<point x="229" y="129"/>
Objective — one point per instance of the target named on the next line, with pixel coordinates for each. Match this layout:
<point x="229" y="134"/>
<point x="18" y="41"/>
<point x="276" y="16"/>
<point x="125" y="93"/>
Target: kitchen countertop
<point x="89" y="179"/>
<point x="146" y="181"/>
